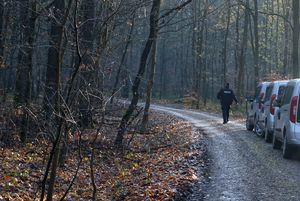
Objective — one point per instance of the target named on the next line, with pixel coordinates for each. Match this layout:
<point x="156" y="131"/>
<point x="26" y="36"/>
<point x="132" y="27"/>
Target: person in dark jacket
<point x="226" y="97"/>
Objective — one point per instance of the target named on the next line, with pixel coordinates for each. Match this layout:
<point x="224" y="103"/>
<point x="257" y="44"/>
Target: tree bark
<point x="87" y="35"/>
<point x="241" y="72"/>
<point x="1" y="33"/>
<point x="53" y="90"/>
<point x="154" y="16"/>
<point x="237" y="45"/>
<point x="128" y="41"/>
<point x="286" y="10"/>
<point x="56" y="34"/>
<point x="225" y="42"/>
<point x="150" y="86"/>
<point x="256" y="44"/>
<point x="295" y="54"/>
<point x="24" y="70"/>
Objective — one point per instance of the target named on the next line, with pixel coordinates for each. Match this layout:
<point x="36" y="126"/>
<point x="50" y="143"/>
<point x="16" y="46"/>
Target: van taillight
<point x="272" y="109"/>
<point x="293" y="109"/>
<point x="261" y="96"/>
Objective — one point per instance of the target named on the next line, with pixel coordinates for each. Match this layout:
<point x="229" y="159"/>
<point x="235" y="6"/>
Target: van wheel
<point x="276" y="144"/>
<point x="257" y="128"/>
<point x="286" y="149"/>
<point x="268" y="135"/>
<point x="249" y="126"/>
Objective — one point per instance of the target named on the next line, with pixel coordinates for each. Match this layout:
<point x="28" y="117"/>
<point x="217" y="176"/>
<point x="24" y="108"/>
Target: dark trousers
<point x="225" y="111"/>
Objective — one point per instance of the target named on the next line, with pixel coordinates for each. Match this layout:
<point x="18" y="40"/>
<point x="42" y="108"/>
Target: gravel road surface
<point x="242" y="166"/>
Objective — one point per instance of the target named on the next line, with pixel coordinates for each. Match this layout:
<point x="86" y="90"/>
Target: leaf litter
<point x="156" y="164"/>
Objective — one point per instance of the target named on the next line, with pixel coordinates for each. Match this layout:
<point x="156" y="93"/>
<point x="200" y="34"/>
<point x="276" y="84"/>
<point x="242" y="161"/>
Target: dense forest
<point x="98" y="46"/>
<point x="66" y="64"/>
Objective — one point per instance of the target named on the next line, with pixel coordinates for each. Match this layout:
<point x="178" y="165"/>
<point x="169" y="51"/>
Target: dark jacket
<point x="226" y="97"/>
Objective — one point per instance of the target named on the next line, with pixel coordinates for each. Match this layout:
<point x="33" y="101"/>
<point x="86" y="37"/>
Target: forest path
<point x="242" y="166"/>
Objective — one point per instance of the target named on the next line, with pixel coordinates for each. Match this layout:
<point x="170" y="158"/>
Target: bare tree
<point x="296" y="30"/>
<point x="149" y="85"/>
<point x="154" y="16"/>
<point x="241" y="62"/>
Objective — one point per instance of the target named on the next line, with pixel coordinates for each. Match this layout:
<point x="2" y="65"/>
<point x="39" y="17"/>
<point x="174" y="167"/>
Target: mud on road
<point x="241" y="165"/>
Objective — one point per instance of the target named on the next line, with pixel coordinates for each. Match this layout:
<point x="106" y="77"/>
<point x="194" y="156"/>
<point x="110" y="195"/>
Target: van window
<point x="281" y="92"/>
<point x="257" y="92"/>
<point x="268" y="92"/>
<point x="287" y="95"/>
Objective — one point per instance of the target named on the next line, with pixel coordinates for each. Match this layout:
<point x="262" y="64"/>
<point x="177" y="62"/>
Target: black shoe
<point x="224" y="122"/>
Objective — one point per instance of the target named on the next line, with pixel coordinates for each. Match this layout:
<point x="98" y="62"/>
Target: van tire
<point x="258" y="131"/>
<point x="286" y="148"/>
<point x="276" y="144"/>
<point x="268" y="134"/>
<point x="249" y="126"/>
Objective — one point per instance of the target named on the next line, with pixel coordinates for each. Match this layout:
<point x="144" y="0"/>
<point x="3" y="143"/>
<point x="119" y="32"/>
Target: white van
<point x="255" y="114"/>
<point x="287" y="120"/>
<point x="274" y="92"/>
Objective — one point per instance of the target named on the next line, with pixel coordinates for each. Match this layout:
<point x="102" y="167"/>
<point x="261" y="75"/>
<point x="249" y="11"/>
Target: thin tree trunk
<point x="128" y="41"/>
<point x="237" y="43"/>
<point x="149" y="86"/>
<point x="200" y="62"/>
<point x="286" y="11"/>
<point x="56" y="34"/>
<point x="295" y="53"/>
<point x="163" y="74"/>
<point x="277" y="48"/>
<point x="154" y="16"/>
<point x="204" y="77"/>
<point x="55" y="90"/>
<point x="241" y="72"/>
<point x="5" y="31"/>
<point x="1" y="33"/>
<point x="256" y="44"/>
<point x="225" y="42"/>
<point x="87" y="35"/>
<point x="24" y="70"/>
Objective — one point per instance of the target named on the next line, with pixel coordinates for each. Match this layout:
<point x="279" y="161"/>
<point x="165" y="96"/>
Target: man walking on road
<point x="226" y="97"/>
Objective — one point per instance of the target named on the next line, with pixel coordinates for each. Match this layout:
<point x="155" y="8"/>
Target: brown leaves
<point x="149" y="171"/>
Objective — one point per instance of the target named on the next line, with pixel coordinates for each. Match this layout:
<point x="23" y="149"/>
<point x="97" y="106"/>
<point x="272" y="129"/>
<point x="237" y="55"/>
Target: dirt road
<point x="242" y="166"/>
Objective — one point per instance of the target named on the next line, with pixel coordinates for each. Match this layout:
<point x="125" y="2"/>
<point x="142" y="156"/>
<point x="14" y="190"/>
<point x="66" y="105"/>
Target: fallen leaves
<point x="155" y="167"/>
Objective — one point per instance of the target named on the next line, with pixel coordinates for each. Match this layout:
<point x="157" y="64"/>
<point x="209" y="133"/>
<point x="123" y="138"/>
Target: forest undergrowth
<point x="154" y="165"/>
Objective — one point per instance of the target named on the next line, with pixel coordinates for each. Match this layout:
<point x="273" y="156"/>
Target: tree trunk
<point x="24" y="70"/>
<point x="295" y="53"/>
<point x="149" y="86"/>
<point x="154" y="16"/>
<point x="241" y="72"/>
<point x="205" y="73"/>
<point x="56" y="34"/>
<point x="286" y="10"/>
<point x="128" y="41"/>
<point x="256" y="44"/>
<point x="237" y="44"/>
<point x="53" y="89"/>
<point x="1" y="33"/>
<point x="163" y="74"/>
<point x="225" y="42"/>
<point x="87" y="36"/>
<point x="2" y="65"/>
<point x="200" y="63"/>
